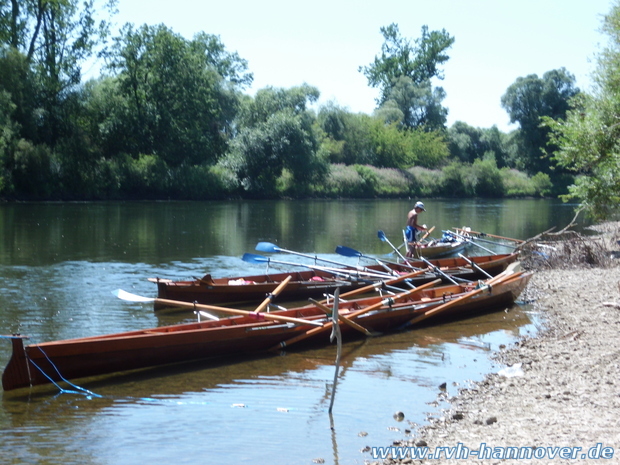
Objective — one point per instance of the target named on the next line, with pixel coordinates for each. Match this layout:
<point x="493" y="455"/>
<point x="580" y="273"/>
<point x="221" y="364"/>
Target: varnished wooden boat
<point x="314" y="283"/>
<point x="37" y="364"/>
<point x="436" y="249"/>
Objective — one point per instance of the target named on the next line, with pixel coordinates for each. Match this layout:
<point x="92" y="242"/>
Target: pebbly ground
<point x="569" y="392"/>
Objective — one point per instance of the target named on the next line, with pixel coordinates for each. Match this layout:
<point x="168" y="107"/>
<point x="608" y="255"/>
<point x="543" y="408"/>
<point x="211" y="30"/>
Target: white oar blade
<point x="124" y="295"/>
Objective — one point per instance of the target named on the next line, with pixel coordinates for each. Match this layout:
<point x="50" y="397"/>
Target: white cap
<point x="420" y="205"/>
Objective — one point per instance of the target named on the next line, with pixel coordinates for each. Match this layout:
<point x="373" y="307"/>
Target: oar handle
<point x="374" y="286"/>
<point x="466" y="239"/>
<point x="474" y="265"/>
<point x="518" y="241"/>
<point x="428" y="231"/>
<point x="500" y="277"/>
<point x="438" y="270"/>
<point x="273" y="294"/>
<point x="235" y="311"/>
<point x="328" y="311"/>
<point x="384" y="238"/>
<point x="393" y="298"/>
<point x="327" y="325"/>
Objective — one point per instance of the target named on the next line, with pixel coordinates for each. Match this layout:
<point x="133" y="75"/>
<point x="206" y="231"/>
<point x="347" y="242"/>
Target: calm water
<point x="60" y="262"/>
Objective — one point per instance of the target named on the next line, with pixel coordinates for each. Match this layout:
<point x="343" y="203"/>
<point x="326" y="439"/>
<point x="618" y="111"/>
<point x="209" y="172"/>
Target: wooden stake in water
<point x="335" y="334"/>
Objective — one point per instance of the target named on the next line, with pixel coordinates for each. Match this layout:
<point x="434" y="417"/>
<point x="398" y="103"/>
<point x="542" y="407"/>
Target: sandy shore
<point x="566" y="401"/>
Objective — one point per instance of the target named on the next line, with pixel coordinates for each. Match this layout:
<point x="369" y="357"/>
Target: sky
<point x="324" y="42"/>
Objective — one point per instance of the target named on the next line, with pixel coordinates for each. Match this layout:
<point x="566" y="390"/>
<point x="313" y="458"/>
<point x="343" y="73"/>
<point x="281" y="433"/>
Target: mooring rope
<point x="79" y="390"/>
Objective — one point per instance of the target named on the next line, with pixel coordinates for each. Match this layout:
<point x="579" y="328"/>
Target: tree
<point x="468" y="143"/>
<point x="179" y="97"/>
<point x="404" y="70"/>
<point x="56" y="37"/>
<point x="527" y="101"/>
<point x="19" y="82"/>
<point x="271" y="100"/>
<point x="419" y="104"/>
<point x="277" y="133"/>
<point x="588" y="139"/>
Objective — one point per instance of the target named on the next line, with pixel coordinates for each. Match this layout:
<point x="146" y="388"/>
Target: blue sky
<point x="324" y="42"/>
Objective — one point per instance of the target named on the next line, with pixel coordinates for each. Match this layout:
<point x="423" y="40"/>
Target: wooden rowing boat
<point x="37" y="364"/>
<point x="313" y="283"/>
<point x="441" y="248"/>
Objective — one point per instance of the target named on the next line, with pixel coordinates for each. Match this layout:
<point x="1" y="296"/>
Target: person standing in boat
<point x="413" y="228"/>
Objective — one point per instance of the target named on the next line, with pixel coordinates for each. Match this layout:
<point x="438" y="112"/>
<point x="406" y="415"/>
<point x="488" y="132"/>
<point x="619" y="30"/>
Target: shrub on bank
<point x="425" y="182"/>
<point x="342" y="181"/>
<point x="148" y="177"/>
<point x="516" y="183"/>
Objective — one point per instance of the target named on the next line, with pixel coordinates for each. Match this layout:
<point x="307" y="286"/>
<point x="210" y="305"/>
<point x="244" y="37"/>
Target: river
<point x="60" y="262"/>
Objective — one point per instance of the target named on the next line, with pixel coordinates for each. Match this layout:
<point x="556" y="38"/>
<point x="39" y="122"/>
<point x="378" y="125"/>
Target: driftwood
<point x="566" y="249"/>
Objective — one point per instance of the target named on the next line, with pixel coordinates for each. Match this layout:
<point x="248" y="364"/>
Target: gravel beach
<point x="563" y="404"/>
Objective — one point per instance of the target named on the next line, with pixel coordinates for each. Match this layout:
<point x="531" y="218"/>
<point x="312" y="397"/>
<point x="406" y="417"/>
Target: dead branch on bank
<point x="570" y="249"/>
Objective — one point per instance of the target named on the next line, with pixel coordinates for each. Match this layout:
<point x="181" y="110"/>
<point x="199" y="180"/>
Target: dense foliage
<point x="588" y="139"/>
<point x="169" y="117"/>
<point x="528" y="101"/>
<point x="403" y="72"/>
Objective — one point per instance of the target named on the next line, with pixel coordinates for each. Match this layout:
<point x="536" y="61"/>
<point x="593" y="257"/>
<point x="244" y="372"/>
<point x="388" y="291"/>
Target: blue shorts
<point x="411" y="234"/>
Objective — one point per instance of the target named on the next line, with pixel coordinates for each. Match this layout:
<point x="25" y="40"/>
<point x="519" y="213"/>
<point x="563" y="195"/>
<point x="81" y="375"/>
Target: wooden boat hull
<point x="38" y="364"/>
<point x="306" y="284"/>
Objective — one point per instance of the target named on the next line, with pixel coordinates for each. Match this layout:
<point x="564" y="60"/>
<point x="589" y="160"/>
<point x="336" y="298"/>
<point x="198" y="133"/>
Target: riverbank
<point x="566" y="392"/>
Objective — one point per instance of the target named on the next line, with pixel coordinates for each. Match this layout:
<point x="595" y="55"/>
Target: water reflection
<point x="60" y="262"/>
<point x="165" y="232"/>
<point x="278" y="401"/>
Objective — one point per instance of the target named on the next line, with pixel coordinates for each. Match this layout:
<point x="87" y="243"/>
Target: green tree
<point x="429" y="148"/>
<point x="419" y="104"/>
<point x="419" y="62"/>
<point x="457" y="181"/>
<point x="468" y="143"/>
<point x="347" y="136"/>
<point x="527" y="101"/>
<point x="19" y="82"/>
<point x="392" y="147"/>
<point x="56" y="37"/>
<point x="179" y="97"/>
<point x="588" y="139"/>
<point x="276" y="133"/>
<point x="488" y="178"/>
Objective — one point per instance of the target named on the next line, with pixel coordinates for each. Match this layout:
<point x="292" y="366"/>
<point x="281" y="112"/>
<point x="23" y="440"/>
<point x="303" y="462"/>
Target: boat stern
<point x="17" y="372"/>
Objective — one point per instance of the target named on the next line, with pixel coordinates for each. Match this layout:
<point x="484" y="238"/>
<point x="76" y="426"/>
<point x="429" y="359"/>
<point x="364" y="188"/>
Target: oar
<point x="349" y="252"/>
<point x="438" y="270"/>
<point x="490" y="235"/>
<point x="273" y="294"/>
<point x="474" y="265"/>
<point x="468" y="295"/>
<point x="329" y="312"/>
<point x="463" y="238"/>
<point x="384" y="238"/>
<point x="493" y="242"/>
<point x="383" y="262"/>
<point x="353" y="315"/>
<point x="428" y="231"/>
<point x="269" y="247"/>
<point x="257" y="259"/>
<point x="376" y="286"/>
<point x="233" y="311"/>
<point x="253" y="258"/>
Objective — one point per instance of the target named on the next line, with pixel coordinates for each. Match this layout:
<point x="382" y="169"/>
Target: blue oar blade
<point x="267" y="247"/>
<point x="347" y="251"/>
<point x="253" y="258"/>
<point x="381" y="235"/>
